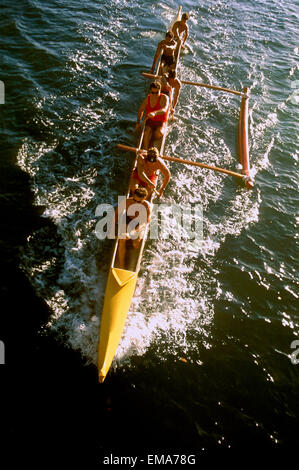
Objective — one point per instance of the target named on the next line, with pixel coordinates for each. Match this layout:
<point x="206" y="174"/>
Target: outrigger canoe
<point x="121" y="282"/>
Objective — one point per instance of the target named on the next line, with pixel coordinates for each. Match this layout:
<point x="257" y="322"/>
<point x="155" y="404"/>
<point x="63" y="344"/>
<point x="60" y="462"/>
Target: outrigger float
<point x="121" y="281"/>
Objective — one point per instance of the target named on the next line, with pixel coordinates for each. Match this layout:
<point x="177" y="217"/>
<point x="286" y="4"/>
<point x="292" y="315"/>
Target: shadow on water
<point x="43" y="380"/>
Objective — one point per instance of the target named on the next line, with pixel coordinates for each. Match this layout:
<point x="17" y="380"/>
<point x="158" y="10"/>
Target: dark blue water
<point x="204" y="366"/>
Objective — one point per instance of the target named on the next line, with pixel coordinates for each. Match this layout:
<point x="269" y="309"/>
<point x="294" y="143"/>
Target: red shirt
<point x="159" y="117"/>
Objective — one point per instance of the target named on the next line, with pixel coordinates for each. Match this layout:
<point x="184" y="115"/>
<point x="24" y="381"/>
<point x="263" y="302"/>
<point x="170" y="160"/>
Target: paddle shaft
<point x="186" y="162"/>
<point x="205" y="85"/>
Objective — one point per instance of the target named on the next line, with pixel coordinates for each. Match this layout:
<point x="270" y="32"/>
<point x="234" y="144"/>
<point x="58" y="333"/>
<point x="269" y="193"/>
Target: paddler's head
<point x="140" y="194"/>
<point x="155" y="88"/>
<point x="169" y="36"/>
<point x="185" y="17"/>
<point x="172" y="74"/>
<point x="152" y="155"/>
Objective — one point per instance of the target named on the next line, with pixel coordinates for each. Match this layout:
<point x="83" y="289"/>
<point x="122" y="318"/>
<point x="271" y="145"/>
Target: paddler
<point x="166" y="49"/>
<point x="168" y="81"/>
<point x="141" y="209"/>
<point x="145" y="172"/>
<point x="180" y="27"/>
<point x="155" y="106"/>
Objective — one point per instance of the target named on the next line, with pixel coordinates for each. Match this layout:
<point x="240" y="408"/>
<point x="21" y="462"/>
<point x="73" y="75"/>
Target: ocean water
<point x="207" y="362"/>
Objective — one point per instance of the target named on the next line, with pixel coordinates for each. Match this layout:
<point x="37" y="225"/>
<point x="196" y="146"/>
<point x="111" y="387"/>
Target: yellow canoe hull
<point x="118" y="296"/>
